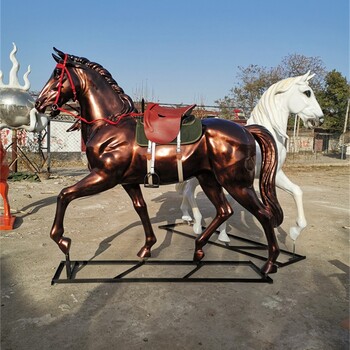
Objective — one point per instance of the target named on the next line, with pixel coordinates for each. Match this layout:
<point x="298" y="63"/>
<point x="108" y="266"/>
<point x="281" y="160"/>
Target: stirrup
<point x="151" y="180"/>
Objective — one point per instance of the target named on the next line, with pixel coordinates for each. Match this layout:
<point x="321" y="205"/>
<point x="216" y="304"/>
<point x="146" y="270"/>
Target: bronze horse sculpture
<point x="223" y="157"/>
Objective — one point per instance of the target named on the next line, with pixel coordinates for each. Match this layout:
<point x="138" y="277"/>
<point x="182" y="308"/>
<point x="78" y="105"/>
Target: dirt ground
<point x="306" y="307"/>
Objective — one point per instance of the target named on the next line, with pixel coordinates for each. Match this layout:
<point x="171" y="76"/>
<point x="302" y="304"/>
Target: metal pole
<point x="14" y="166"/>
<point x="346" y="117"/>
<point x="294" y="133"/>
<point x="48" y="141"/>
<point x="342" y="148"/>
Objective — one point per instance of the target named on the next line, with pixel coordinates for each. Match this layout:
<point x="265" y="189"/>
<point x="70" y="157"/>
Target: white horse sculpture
<point x="288" y="96"/>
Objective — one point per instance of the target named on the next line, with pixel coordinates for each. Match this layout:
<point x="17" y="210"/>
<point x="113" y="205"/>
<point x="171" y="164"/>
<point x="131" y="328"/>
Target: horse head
<point x="61" y="86"/>
<point x="288" y="96"/>
<point x="87" y="82"/>
<point x="302" y="102"/>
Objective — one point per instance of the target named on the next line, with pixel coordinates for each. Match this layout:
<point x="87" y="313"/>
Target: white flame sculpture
<point x="16" y="104"/>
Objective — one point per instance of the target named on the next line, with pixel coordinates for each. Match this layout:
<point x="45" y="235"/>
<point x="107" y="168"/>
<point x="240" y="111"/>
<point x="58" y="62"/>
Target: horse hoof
<point x="144" y="253"/>
<point x="198" y="255"/>
<point x="197" y="229"/>
<point x="294" y="233"/>
<point x="268" y="268"/>
<point x="186" y="218"/>
<point x="64" y="243"/>
<point x="223" y="237"/>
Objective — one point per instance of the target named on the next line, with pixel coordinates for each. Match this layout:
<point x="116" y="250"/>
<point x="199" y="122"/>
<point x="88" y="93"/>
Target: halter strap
<point x="63" y="67"/>
<point x="106" y="120"/>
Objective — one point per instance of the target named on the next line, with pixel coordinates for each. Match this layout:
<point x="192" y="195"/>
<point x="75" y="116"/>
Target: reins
<point x="55" y="107"/>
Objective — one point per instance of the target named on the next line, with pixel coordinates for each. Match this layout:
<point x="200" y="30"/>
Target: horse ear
<point x="71" y="63"/>
<point x="310" y="76"/>
<point x="60" y="53"/>
<point x="56" y="58"/>
<point x="307" y="76"/>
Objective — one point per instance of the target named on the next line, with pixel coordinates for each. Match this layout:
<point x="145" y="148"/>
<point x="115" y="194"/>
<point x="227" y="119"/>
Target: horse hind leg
<point x="216" y="195"/>
<point x="246" y="196"/>
<point x="190" y="199"/>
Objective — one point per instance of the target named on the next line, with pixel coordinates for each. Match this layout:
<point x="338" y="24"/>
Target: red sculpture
<point x="6" y="220"/>
<point x="223" y="157"/>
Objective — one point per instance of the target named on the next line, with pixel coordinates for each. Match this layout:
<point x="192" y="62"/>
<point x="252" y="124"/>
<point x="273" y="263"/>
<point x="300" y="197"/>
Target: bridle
<point x="64" y="70"/>
<point x="56" y="107"/>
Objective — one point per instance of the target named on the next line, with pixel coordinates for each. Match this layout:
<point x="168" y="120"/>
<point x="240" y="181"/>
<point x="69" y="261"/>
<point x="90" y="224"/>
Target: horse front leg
<point x="283" y="182"/>
<point x="190" y="199"/>
<point x="184" y="207"/>
<point x="135" y="193"/>
<point x="95" y="182"/>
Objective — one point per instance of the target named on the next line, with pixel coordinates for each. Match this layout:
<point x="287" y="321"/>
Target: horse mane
<point x="108" y="77"/>
<point x="267" y="112"/>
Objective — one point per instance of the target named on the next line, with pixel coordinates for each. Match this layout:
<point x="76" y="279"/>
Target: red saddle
<point x="162" y="124"/>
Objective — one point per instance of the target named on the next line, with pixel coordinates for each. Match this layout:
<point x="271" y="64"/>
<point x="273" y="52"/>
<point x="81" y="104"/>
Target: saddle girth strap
<point x="152" y="178"/>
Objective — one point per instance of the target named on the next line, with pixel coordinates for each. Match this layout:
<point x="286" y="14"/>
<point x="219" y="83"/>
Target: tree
<point x="253" y="80"/>
<point x="295" y="64"/>
<point x="333" y="100"/>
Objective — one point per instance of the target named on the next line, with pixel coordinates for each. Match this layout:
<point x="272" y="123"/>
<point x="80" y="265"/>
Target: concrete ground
<point x="306" y="307"/>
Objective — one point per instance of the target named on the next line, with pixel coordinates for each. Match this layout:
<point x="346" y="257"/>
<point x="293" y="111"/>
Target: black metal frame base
<point x="243" y="249"/>
<point x="73" y="267"/>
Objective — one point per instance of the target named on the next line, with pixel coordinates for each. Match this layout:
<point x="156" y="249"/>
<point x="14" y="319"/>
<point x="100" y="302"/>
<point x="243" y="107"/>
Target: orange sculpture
<point x="6" y="220"/>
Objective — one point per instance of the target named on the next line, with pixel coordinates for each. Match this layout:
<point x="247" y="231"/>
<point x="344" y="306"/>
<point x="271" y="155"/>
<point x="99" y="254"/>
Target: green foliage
<point x="333" y="100"/>
<point x="295" y="64"/>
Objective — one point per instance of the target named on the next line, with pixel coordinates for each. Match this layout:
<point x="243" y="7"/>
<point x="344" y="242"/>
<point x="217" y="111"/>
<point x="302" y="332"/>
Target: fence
<point x="55" y="147"/>
<point x="52" y="147"/>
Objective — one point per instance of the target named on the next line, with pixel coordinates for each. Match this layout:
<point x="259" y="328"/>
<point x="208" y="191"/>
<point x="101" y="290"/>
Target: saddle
<point x="162" y="124"/>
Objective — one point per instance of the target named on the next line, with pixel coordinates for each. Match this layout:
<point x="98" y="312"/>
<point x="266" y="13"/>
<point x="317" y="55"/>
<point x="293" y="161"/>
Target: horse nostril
<point x="37" y="104"/>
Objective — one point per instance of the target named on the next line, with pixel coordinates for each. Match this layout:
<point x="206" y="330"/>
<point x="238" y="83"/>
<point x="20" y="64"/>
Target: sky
<point x="173" y="51"/>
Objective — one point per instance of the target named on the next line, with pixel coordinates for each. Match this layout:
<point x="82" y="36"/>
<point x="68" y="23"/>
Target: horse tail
<point x="269" y="162"/>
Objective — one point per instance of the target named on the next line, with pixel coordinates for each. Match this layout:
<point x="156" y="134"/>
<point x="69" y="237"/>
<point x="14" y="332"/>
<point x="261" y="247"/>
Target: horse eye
<point x="57" y="72"/>
<point x="307" y="93"/>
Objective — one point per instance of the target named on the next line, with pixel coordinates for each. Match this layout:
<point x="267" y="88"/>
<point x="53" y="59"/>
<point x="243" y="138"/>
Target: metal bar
<point x="228" y="247"/>
<point x="68" y="267"/>
<point x="193" y="271"/>
<point x="71" y="278"/>
<point x="74" y="270"/>
<point x="266" y="279"/>
<point x="291" y="261"/>
<point x="242" y="249"/>
<point x="30" y="165"/>
<point x="58" y="272"/>
<point x="121" y="275"/>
